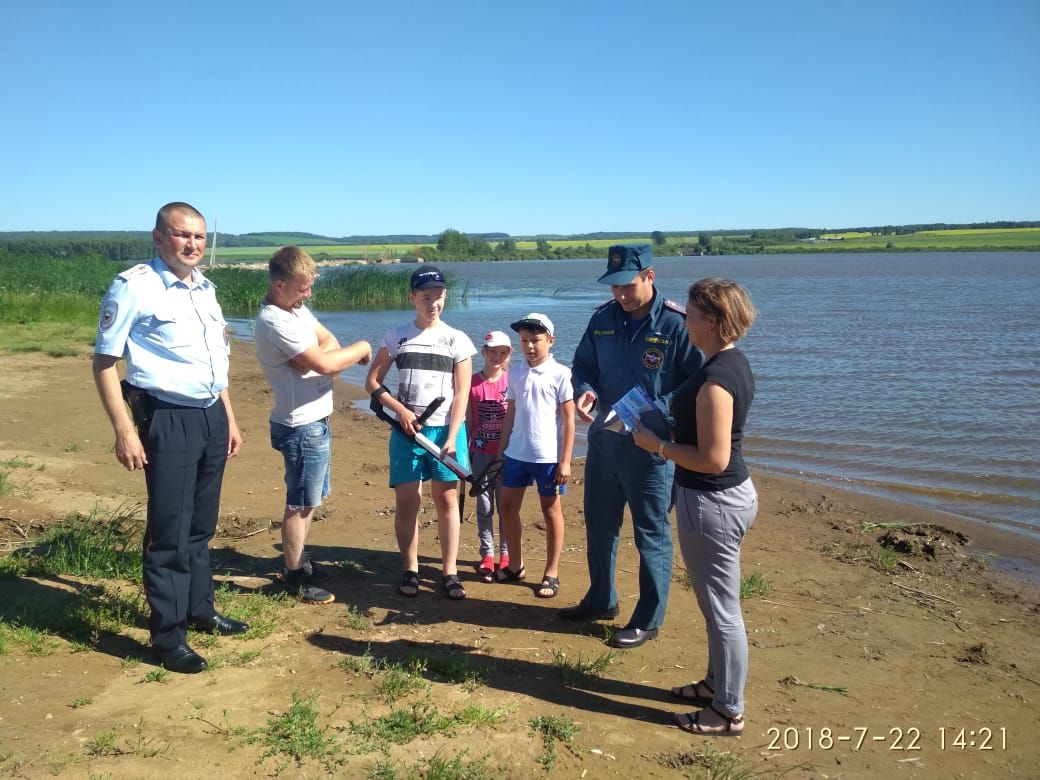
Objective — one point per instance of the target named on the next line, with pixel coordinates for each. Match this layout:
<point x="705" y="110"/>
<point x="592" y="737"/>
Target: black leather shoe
<point x="220" y="624"/>
<point x="582" y="612"/>
<point x="180" y="659"/>
<point x="628" y="638"/>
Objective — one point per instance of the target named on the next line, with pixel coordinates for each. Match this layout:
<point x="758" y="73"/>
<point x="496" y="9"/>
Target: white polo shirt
<point x="536" y="393"/>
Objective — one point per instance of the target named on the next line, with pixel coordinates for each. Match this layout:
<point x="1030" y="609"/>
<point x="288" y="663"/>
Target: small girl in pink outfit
<point x="484" y="416"/>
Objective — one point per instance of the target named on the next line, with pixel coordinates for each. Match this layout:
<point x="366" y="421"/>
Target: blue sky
<point x="347" y="118"/>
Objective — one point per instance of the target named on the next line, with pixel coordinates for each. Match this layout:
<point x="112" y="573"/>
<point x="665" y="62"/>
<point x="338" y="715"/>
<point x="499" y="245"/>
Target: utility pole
<point x="213" y="246"/>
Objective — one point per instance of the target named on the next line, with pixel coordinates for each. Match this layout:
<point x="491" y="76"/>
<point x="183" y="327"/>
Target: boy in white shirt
<point x="537" y="442"/>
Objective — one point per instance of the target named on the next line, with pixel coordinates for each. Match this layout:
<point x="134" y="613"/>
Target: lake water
<point x="914" y="376"/>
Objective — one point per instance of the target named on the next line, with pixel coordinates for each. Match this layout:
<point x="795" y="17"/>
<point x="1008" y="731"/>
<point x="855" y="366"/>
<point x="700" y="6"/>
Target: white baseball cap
<point x="497" y="338"/>
<point x="534" y="321"/>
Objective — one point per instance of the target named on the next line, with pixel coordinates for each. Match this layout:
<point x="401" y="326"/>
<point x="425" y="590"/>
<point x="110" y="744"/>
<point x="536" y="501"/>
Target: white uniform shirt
<point x="425" y="361"/>
<point x="280" y="335"/>
<point x="536" y="393"/>
<point x="172" y="333"/>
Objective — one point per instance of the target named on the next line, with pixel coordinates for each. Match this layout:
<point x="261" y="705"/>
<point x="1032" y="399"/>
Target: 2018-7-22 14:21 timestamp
<point x="896" y="738"/>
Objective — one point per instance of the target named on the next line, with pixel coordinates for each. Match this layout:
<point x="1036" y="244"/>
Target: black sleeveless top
<point x="730" y="370"/>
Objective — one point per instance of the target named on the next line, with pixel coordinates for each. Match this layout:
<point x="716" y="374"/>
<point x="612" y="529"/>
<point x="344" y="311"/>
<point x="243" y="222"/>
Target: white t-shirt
<point x="426" y="361"/>
<point x="537" y="393"/>
<point x="280" y="335"/>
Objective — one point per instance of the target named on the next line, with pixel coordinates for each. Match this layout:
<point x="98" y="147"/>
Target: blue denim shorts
<point x="411" y="463"/>
<point x="307" y="452"/>
<point x="520" y="474"/>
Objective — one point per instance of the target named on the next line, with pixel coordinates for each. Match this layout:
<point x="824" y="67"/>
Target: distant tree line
<point x="136" y="245"/>
<point x="456" y="246"/>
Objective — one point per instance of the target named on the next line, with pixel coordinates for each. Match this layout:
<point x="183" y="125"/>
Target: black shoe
<point x="582" y="612"/>
<point x="301" y="586"/>
<point x="628" y="638"/>
<point x="220" y="624"/>
<point x="180" y="659"/>
<point x="315" y="571"/>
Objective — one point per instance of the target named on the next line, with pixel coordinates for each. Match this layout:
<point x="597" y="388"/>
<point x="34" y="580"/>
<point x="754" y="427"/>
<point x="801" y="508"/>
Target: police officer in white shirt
<point x="163" y="318"/>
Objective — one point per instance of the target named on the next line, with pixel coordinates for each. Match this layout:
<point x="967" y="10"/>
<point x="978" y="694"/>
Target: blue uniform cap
<point x="625" y="262"/>
<point x="427" y="276"/>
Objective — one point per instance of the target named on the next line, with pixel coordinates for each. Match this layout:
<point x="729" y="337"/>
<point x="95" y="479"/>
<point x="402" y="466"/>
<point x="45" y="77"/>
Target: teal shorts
<point x="411" y="463"/>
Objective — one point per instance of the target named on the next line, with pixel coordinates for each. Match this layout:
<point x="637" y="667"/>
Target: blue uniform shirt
<point x="171" y="333"/>
<point x="610" y="360"/>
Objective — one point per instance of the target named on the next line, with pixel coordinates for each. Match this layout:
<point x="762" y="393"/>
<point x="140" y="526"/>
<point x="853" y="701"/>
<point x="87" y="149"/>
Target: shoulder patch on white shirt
<point x="137" y="270"/>
<point x="109" y="310"/>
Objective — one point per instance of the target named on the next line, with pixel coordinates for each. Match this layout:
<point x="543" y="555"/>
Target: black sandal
<point x="409" y="584"/>
<point x="505" y="574"/>
<point x="690" y="721"/>
<point x="453" y="587"/>
<point x="695" y="697"/>
<point x="550" y="584"/>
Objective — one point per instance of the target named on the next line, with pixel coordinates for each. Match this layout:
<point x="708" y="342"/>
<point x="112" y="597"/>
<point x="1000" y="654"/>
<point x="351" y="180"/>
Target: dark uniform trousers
<point x="187" y="452"/>
<point x="617" y="472"/>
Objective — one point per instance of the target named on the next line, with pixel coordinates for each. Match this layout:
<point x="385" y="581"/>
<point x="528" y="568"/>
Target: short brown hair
<point x="728" y="302"/>
<point x="289" y="262"/>
<point x="164" y="213"/>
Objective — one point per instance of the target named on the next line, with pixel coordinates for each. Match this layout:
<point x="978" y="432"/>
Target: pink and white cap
<point x="497" y="338"/>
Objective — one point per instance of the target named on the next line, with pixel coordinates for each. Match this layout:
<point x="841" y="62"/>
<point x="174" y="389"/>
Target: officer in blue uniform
<point x="636" y="338"/>
<point x="164" y="319"/>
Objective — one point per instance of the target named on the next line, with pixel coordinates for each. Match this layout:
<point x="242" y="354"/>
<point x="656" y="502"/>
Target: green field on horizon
<point x="939" y="240"/>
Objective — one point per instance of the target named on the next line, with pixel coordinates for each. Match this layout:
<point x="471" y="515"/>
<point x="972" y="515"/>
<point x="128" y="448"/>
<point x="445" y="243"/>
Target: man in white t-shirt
<point x="299" y="356"/>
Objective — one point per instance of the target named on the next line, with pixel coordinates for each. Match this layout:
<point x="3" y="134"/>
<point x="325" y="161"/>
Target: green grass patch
<point x="581" y="670"/>
<point x="364" y="665"/>
<point x="82" y="618"/>
<point x="31" y="639"/>
<point x="80" y="703"/>
<point x="401" y="680"/>
<point x="754" y="585"/>
<point x="456" y="671"/>
<point x="401" y="726"/>
<point x="296" y="734"/>
<point x="553" y="729"/>
<point x="458" y="767"/>
<point x="262" y="611"/>
<point x="356" y="619"/>
<point x="474" y="715"/>
<point x="159" y="675"/>
<point x="352" y="568"/>
<point x="884" y="559"/>
<point x="17" y="463"/>
<point x="87" y="546"/>
<point x="104" y="744"/>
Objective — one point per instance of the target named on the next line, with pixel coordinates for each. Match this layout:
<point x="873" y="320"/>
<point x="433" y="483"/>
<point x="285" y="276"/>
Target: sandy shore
<point x="931" y="669"/>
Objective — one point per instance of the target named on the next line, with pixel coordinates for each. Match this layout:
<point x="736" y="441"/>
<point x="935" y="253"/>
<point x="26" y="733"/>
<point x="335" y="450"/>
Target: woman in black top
<point x="716" y="501"/>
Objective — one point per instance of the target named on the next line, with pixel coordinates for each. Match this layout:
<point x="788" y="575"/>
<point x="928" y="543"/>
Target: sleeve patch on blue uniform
<point x="674" y="306"/>
<point x="653" y="358"/>
<point x="656" y="338"/>
<point x="109" y="310"/>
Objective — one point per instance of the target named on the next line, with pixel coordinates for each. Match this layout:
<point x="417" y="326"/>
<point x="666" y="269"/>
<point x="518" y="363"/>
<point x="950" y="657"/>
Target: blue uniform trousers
<point x="618" y="472"/>
<point x="187" y="452"/>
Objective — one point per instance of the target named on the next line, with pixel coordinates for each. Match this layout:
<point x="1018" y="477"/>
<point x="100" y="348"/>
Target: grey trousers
<point x="487" y="504"/>
<point x="711" y="526"/>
